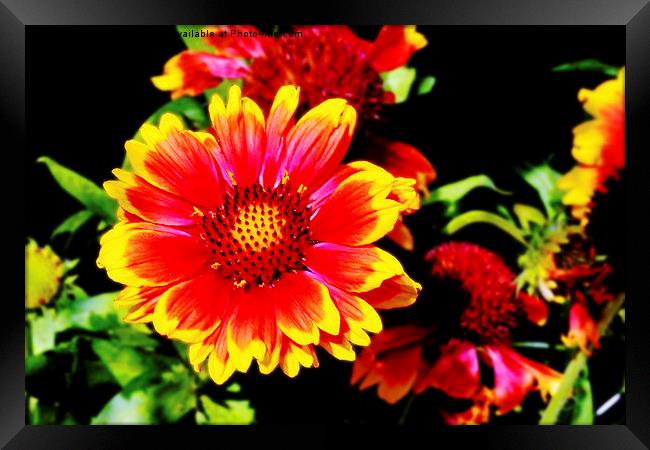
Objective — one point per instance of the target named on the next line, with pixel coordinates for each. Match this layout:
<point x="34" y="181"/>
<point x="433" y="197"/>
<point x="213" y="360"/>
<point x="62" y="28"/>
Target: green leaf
<point x="426" y="85"/>
<point x="451" y="194"/>
<point x="234" y="388"/>
<point x="583" y="405"/>
<point x="478" y="216"/>
<point x="82" y="189"/>
<point x="235" y="412"/>
<point x="147" y="401"/>
<point x="222" y="89"/>
<point x="124" y="363"/>
<point x="96" y="313"/>
<point x="543" y="178"/>
<point x="132" y="408"/>
<point x="527" y="214"/>
<point x="587" y="65"/>
<point x="191" y="41"/>
<point x="399" y="81"/>
<point x="72" y="223"/>
<point x="134" y="337"/>
<point x="42" y="330"/>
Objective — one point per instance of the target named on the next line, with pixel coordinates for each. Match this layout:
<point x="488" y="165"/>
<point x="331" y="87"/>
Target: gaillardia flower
<point x="251" y="241"/>
<point x="448" y="357"/>
<point x="598" y="145"/>
<point x="326" y="62"/>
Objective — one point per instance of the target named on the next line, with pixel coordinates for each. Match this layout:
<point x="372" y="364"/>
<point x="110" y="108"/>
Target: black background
<point x="496" y="105"/>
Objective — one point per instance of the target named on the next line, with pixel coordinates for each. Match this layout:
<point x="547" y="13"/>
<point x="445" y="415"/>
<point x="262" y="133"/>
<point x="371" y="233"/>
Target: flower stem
<point x="576" y="365"/>
<point x="407" y="408"/>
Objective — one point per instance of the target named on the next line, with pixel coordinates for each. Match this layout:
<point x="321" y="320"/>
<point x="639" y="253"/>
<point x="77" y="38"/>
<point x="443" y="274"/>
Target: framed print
<point x="263" y="225"/>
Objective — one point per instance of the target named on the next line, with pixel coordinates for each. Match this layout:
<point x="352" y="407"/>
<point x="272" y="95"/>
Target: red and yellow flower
<point x="598" y="146"/>
<point x="325" y="61"/>
<point x="251" y="241"/>
<point x="416" y="357"/>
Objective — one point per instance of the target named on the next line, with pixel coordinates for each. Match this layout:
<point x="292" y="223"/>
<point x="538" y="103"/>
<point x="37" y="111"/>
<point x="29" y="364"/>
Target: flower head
<point x="598" y="145"/>
<point x="326" y="62"/>
<point x="233" y="240"/>
<point x="43" y="273"/>
<point x="416" y="357"/>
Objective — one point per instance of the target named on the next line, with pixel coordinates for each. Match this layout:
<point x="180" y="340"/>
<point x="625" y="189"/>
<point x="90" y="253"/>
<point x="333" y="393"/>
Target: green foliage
<point x="235" y="412"/>
<point x="82" y="189"/>
<point x="451" y="194"/>
<point x="123" y="374"/>
<point x="399" y="81"/>
<point x="426" y="85"/>
<point x="72" y="223"/>
<point x="587" y="65"/>
<point x="583" y="404"/>
<point x="478" y="216"/>
<point x="544" y="179"/>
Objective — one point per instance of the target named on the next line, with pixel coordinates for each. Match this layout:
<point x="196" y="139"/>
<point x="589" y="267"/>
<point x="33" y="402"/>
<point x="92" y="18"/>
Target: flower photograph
<point x="398" y="224"/>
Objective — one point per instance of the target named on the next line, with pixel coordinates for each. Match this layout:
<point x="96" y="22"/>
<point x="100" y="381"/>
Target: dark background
<point x="496" y="106"/>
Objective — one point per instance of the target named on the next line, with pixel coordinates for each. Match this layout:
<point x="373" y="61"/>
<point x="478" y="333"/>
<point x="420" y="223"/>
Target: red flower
<point x="233" y="241"/>
<point x="396" y="358"/>
<point x="325" y="61"/>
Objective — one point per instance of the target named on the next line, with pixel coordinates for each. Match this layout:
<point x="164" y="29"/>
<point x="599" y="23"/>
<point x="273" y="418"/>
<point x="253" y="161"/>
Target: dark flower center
<point x="492" y="308"/>
<point x="258" y="234"/>
<point x="324" y="66"/>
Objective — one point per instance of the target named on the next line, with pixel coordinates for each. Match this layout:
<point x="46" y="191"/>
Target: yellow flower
<point x="43" y="273"/>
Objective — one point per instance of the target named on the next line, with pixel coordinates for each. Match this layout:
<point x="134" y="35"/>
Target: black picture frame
<point x="634" y="15"/>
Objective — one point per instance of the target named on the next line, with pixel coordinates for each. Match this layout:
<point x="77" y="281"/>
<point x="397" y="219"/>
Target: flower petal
<point x="180" y="163"/>
<point x="394" y="46"/>
<point x="191" y="72"/>
<point x="148" y="202"/>
<point x="370" y="214"/>
<point x="144" y="254"/>
<point x="455" y="372"/>
<point x="318" y="141"/>
<point x="239" y="130"/>
<point x="515" y="376"/>
<point x="395" y="292"/>
<point x="583" y="331"/>
<point x="303" y="306"/>
<point x="401" y="160"/>
<point x="535" y="308"/>
<point x="140" y="301"/>
<point x="192" y="310"/>
<point x="354" y="269"/>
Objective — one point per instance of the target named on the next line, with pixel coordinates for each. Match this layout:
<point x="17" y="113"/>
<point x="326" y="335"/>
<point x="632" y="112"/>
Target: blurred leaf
<point x="222" y="89"/>
<point x="42" y="330"/>
<point x="527" y="214"/>
<point x="544" y="179"/>
<point x="399" y="81"/>
<point x="234" y="388"/>
<point x="583" y="406"/>
<point x="124" y="363"/>
<point x="452" y="193"/>
<point x="72" y="223"/>
<point x="133" y="408"/>
<point x="236" y="412"/>
<point x="40" y="414"/>
<point x="426" y="85"/>
<point x="82" y="189"/>
<point x="96" y="313"/>
<point x="191" y="42"/>
<point x="587" y="65"/>
<point x="133" y="337"/>
<point x="477" y="216"/>
<point x="145" y="401"/>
